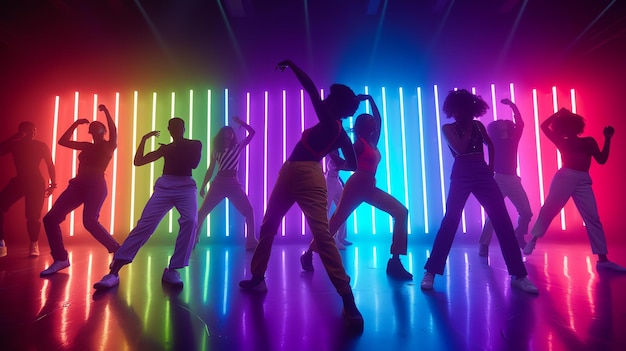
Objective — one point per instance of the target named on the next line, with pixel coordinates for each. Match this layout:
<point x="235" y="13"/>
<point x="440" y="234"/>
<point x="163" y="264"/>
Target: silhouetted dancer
<point x="563" y="128"/>
<point x="361" y="187"/>
<point x="175" y="188"/>
<point x="28" y="183"/>
<point x="335" y="185"/>
<point x="225" y="184"/>
<point x="505" y="135"/>
<point x="471" y="175"/>
<point x="88" y="188"/>
<point x="301" y="180"/>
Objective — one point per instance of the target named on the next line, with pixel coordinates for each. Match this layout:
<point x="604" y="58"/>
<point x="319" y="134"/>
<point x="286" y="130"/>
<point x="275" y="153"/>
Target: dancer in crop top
<point x="225" y="156"/>
<point x="175" y="188"/>
<point x="301" y="180"/>
<point x="88" y="188"/>
<point x="564" y="128"/>
<point x="471" y="175"/>
<point x="361" y="187"/>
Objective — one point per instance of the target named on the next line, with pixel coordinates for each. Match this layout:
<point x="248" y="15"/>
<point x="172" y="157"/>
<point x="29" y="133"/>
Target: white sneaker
<point x="172" y="277"/>
<point x="427" y="281"/>
<point x="3" y="249"/>
<point x="34" y="249"/>
<point x="609" y="266"/>
<point x="55" y="267"/>
<point x="525" y="285"/>
<point x="108" y="281"/>
<point x="528" y="249"/>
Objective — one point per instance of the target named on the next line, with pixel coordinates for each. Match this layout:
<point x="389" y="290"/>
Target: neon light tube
<point x="133" y="168"/>
<point x="420" y="114"/>
<point x="538" y="148"/>
<point x="437" y="115"/>
<point x="284" y="123"/>
<point x="558" y="153"/>
<point x="404" y="163"/>
<point x="114" y="183"/>
<point x="74" y="158"/>
<point x="226" y="203"/>
<point x="54" y="140"/>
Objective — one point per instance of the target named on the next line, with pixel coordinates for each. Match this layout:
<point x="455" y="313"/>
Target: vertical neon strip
<point x="324" y="158"/>
<point x="538" y="147"/>
<point x="494" y="101"/>
<point x="265" y="116"/>
<point x="133" y="168"/>
<point x="76" y="96"/>
<point x="372" y="209"/>
<point x="152" y="140"/>
<point x="387" y="163"/>
<point x="512" y="93"/>
<point x="302" y="219"/>
<point x="443" y="185"/>
<point x="482" y="209"/>
<point x="226" y="203"/>
<point x="284" y="122"/>
<point x="559" y="162"/>
<point x="404" y="163"/>
<point x="420" y="115"/>
<point x="249" y="231"/>
<point x="171" y="214"/>
<point x="114" y="182"/>
<point x="55" y="128"/>
<point x="208" y="152"/>
<point x="190" y="114"/>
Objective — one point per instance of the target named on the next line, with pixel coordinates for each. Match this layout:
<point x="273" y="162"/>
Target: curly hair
<point x="219" y="141"/>
<point x="343" y="100"/>
<point x="463" y="103"/>
<point x="568" y="123"/>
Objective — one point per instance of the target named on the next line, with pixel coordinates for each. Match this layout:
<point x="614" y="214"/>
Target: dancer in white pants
<point x="572" y="180"/>
<point x="334" y="184"/>
<point x="175" y="188"/>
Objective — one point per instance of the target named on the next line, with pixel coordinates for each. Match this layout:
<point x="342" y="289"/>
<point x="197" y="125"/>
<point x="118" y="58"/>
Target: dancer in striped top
<point x="225" y="156"/>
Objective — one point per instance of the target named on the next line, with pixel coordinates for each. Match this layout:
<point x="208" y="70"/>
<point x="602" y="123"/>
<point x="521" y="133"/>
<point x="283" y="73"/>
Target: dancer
<point x="301" y="180"/>
<point x="28" y="183"/>
<point x="88" y="188"/>
<point x="470" y="174"/>
<point x="334" y="184"/>
<point x="225" y="155"/>
<point x="564" y="128"/>
<point x="361" y="187"/>
<point x="175" y="188"/>
<point x="505" y="135"/>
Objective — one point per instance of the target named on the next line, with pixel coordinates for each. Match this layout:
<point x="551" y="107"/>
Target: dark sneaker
<point x="107" y="282"/>
<point x="396" y="270"/>
<point x="306" y="261"/>
<point x="55" y="267"/>
<point x="255" y="284"/>
<point x="171" y="277"/>
<point x="610" y="266"/>
<point x="427" y="281"/>
<point x="525" y="285"/>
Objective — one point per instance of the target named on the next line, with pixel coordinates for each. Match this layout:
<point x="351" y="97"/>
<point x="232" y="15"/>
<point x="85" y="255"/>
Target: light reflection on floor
<point x="472" y="307"/>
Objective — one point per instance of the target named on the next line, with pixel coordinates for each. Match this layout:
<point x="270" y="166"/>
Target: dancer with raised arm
<point x="471" y="175"/>
<point x="301" y="180"/>
<point x="175" y="188"/>
<point x="88" y="188"/>
<point x="564" y="128"/>
<point x="28" y="183"/>
<point x="225" y="155"/>
<point x="506" y="135"/>
<point x="361" y="187"/>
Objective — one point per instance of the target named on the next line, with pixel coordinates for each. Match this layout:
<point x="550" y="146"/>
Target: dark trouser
<point x="33" y="191"/>
<point x="91" y="191"/>
<point x="361" y="187"/>
<point x="304" y="183"/>
<point x="471" y="177"/>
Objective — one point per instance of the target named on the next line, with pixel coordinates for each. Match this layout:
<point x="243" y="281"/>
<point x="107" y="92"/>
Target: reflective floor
<point x="471" y="308"/>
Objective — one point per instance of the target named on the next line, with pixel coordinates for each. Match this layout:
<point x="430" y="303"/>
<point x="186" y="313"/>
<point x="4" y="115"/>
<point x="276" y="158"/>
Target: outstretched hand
<point x="203" y="191"/>
<point x="156" y="133"/>
<point x="102" y="108"/>
<point x="50" y="190"/>
<point x="283" y="64"/>
<point x="362" y="97"/>
<point x="506" y="101"/>
<point x="82" y="121"/>
<point x="238" y="120"/>
<point x="608" y="132"/>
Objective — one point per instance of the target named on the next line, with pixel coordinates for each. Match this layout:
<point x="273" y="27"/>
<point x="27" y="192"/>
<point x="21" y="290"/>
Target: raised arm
<point x="247" y="127"/>
<point x="140" y="158"/>
<point x="546" y="126"/>
<point x="349" y="163"/>
<point x="602" y="156"/>
<point x="208" y="176"/>
<point x="375" y="114"/>
<point x="110" y="124"/>
<point x="308" y="86"/>
<point x="519" y="122"/>
<point x="5" y="145"/>
<point x="65" y="138"/>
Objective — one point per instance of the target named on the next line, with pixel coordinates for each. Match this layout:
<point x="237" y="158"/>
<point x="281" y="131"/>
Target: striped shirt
<point x="228" y="159"/>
